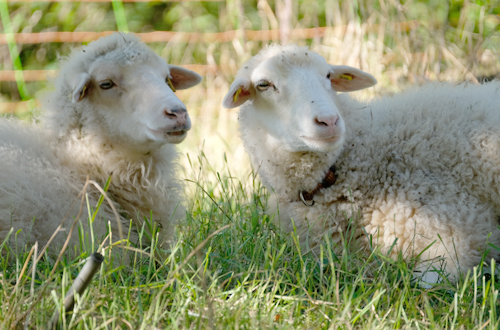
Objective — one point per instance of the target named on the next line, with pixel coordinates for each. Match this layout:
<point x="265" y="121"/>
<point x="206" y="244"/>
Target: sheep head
<point x="291" y="94"/>
<point x="120" y="88"/>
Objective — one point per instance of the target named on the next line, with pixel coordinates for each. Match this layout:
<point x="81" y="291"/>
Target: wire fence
<point x="21" y="76"/>
<point x="346" y="39"/>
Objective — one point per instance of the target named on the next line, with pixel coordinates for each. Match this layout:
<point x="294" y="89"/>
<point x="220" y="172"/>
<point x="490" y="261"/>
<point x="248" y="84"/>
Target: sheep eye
<point x="263" y="85"/>
<point x="328" y="76"/>
<point x="106" y="84"/>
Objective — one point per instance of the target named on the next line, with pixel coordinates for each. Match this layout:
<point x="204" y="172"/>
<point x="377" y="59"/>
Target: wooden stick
<point x="79" y="285"/>
<point x="194" y="37"/>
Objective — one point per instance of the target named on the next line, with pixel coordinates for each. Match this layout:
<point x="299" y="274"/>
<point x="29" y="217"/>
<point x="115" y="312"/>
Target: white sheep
<point x="416" y="169"/>
<point x="113" y="113"/>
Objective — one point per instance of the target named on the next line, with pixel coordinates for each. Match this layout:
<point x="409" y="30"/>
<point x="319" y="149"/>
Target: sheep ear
<point x="240" y="91"/>
<point x="183" y="78"/>
<point x="81" y="84"/>
<point x="348" y="79"/>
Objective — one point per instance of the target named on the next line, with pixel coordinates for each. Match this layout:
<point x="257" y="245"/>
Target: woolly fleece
<point x="44" y="169"/>
<point x="414" y="165"/>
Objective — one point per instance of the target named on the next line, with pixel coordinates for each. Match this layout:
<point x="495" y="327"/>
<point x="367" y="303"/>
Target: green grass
<point x="232" y="268"/>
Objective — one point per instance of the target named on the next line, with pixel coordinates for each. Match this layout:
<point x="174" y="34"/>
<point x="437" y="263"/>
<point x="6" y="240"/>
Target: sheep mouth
<point x="167" y="132"/>
<point x="330" y="139"/>
<point x="176" y="133"/>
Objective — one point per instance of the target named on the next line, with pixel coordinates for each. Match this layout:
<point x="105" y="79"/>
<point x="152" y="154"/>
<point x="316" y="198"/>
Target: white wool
<point x="123" y="132"/>
<point x="412" y="166"/>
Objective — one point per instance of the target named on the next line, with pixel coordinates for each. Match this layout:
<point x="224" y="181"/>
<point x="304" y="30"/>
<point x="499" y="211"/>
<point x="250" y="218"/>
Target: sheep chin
<point x="324" y="145"/>
<point x="176" y="137"/>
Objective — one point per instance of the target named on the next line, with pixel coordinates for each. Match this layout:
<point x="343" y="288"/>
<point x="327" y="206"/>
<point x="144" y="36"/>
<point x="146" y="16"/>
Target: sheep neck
<point x="327" y="182"/>
<point x="100" y="159"/>
<point x="303" y="172"/>
<point x="132" y="175"/>
<point x="286" y="173"/>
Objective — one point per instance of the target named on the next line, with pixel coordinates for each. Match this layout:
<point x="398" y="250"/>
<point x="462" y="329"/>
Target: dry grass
<point x="401" y="45"/>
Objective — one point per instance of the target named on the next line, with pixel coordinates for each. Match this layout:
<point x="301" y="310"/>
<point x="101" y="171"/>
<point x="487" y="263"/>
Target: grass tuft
<point x="231" y="267"/>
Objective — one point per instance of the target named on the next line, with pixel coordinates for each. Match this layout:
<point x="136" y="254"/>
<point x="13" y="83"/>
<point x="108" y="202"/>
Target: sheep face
<point x="133" y="99"/>
<point x="291" y="93"/>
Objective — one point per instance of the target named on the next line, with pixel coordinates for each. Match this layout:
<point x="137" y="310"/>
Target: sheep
<point x="419" y="170"/>
<point x="113" y="113"/>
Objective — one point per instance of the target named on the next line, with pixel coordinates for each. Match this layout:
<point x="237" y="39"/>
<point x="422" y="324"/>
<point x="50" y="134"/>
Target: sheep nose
<point x="327" y="121"/>
<point x="178" y="113"/>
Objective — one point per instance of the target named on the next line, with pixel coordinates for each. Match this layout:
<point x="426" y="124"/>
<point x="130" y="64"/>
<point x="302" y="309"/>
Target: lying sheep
<point x="113" y="113"/>
<point x="417" y="169"/>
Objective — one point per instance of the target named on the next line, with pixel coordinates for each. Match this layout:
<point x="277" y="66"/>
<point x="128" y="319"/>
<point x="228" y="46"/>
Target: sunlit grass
<point x="232" y="268"/>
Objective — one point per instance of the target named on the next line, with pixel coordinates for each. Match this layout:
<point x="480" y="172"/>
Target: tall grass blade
<point x="14" y="54"/>
<point x="120" y="17"/>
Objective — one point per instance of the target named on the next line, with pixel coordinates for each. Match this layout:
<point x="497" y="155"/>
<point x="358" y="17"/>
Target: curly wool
<point x="415" y="165"/>
<point x="44" y="169"/>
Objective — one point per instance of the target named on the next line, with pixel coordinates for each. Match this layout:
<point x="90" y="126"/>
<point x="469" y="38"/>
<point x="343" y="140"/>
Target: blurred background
<point x="401" y="43"/>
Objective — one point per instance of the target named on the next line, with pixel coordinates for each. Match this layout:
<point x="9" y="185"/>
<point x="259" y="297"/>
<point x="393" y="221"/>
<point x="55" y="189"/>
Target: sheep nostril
<point x="319" y="122"/>
<point x="328" y="121"/>
<point x="171" y="115"/>
<point x="176" y="112"/>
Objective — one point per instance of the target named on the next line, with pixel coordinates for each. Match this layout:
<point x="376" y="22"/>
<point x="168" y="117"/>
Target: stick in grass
<point x="80" y="284"/>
